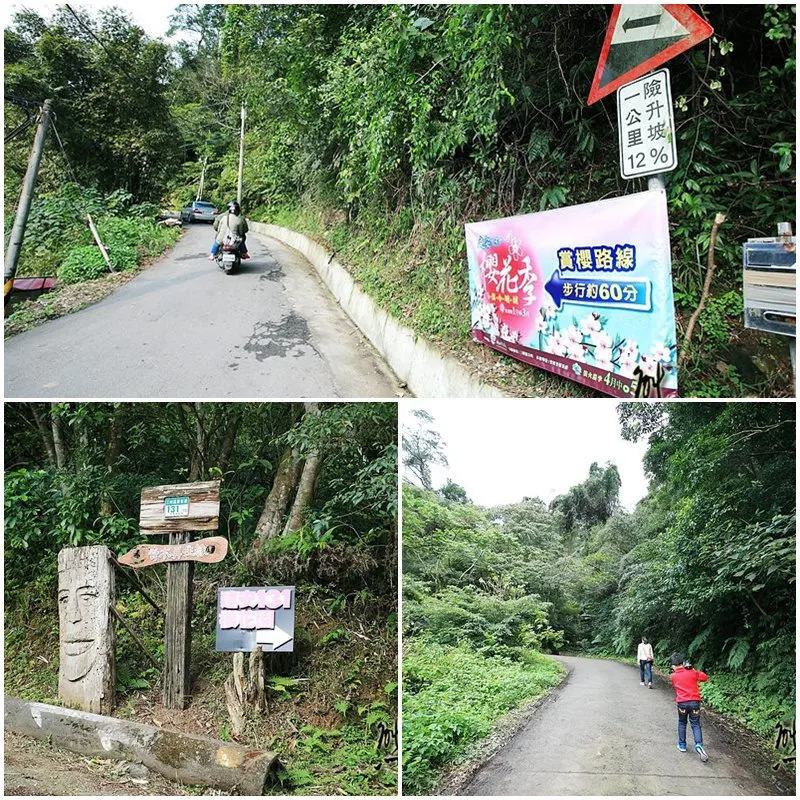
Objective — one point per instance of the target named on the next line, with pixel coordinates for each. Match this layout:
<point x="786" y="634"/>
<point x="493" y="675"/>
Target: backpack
<point x="232" y="241"/>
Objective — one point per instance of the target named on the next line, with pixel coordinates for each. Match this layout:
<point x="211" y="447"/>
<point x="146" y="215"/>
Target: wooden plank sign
<point x="209" y="550"/>
<point x="180" y="507"/>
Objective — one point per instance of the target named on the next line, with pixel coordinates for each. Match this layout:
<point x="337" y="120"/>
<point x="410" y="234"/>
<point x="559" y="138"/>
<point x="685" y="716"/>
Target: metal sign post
<point x="178" y="510"/>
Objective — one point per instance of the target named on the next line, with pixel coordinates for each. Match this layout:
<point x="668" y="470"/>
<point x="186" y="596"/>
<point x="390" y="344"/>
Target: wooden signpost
<point x="178" y="509"/>
<point x="209" y="551"/>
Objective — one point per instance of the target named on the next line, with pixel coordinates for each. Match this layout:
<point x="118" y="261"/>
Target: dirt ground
<point x="35" y="767"/>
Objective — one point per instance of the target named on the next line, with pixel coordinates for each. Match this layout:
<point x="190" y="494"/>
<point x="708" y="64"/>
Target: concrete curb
<point x="426" y="371"/>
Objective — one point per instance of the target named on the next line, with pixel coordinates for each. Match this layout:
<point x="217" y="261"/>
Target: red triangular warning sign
<point x="642" y="37"/>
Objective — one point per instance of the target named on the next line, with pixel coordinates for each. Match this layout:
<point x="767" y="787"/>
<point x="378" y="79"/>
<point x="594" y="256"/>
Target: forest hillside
<point x="704" y="565"/>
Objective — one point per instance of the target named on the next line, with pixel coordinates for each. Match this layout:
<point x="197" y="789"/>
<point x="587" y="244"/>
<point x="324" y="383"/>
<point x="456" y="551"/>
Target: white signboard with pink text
<point x="249" y="617"/>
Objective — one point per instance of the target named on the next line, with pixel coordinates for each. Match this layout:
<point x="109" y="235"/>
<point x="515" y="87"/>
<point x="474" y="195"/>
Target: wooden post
<point x="179" y="510"/>
<point x="178" y="628"/>
<point x="25" y="199"/>
<point x="99" y="243"/>
<point x="86" y="596"/>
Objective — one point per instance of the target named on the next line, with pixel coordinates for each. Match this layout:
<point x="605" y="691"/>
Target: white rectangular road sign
<point x="646" y="126"/>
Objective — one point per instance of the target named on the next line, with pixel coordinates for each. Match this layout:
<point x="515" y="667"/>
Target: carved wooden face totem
<point x="85" y="598"/>
<point x="78" y="614"/>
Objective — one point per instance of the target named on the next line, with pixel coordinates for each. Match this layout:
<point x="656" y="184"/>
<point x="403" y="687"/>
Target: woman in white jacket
<point x="645" y="657"/>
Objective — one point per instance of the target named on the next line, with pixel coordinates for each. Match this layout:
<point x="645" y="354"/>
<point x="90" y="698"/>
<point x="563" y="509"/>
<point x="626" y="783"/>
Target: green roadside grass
<point x="452" y="698"/>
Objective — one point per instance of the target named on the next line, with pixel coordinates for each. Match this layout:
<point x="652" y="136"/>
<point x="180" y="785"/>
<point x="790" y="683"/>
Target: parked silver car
<point x="199" y="211"/>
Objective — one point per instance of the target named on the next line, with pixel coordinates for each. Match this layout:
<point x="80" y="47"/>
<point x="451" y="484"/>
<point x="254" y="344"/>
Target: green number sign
<point x="176" y="506"/>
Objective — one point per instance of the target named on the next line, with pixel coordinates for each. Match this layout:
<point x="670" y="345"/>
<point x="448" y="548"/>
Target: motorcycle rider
<point x="232" y="221"/>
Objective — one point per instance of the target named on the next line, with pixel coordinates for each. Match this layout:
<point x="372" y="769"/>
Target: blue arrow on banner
<point x="633" y="295"/>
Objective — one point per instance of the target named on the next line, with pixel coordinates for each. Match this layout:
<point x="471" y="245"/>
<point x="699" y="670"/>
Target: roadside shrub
<point x="122" y="257"/>
<point x="45" y="511"/>
<point x="453" y="696"/>
<point x="83" y="263"/>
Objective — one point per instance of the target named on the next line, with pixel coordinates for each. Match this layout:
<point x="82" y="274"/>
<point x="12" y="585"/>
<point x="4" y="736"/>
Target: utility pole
<point x="26" y="196"/>
<point x="241" y="157"/>
<point x="202" y="179"/>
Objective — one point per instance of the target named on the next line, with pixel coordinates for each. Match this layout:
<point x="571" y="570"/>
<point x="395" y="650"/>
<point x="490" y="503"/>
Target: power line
<point x="63" y="151"/>
<point x="20" y="128"/>
<point x="87" y="29"/>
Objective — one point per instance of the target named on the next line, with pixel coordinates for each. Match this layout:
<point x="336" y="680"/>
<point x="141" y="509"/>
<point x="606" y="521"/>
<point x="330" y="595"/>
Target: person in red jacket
<point x="686" y="680"/>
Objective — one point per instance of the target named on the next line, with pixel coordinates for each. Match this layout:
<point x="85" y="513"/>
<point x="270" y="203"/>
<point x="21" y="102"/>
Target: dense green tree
<point x="111" y="104"/>
<point x="422" y="448"/>
<point x="74" y="473"/>
<point x="591" y="502"/>
<point x="455" y="493"/>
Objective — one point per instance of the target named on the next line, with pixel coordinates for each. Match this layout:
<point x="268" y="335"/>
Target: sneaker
<point x="650" y="686"/>
<point x="642" y="683"/>
<point x="245" y="255"/>
<point x="700" y="750"/>
<point x="682" y="747"/>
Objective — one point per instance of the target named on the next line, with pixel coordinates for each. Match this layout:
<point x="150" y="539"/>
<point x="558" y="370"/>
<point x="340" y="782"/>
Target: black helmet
<point x="234" y="207"/>
<point x="676" y="659"/>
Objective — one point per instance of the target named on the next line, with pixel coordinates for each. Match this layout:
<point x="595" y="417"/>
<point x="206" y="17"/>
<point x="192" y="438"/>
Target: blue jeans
<point x="690" y="709"/>
<point x="646" y="666"/>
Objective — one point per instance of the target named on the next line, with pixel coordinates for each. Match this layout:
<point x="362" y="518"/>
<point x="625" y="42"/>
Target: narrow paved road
<point x="184" y="329"/>
<point x="604" y="734"/>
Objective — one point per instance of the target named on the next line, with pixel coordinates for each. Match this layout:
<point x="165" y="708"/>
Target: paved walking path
<point x="604" y="734"/>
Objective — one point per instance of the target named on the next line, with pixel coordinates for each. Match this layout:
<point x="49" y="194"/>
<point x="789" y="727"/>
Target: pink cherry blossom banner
<point x="584" y="292"/>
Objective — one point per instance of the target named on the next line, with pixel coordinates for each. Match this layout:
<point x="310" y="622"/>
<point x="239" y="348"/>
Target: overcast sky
<point x="152" y="17"/>
<point x="503" y="450"/>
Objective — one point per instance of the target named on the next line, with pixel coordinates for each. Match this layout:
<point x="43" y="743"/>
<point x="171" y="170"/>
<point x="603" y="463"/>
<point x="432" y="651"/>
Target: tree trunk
<point x="113" y="451"/>
<point x="57" y="426"/>
<point x="228" y="438"/>
<point x="46" y="433"/>
<point x="308" y="482"/>
<point x="283" y="487"/>
<point x="246" y="690"/>
<point x="305" y="493"/>
<point x="197" y="467"/>
<point x="196" y="436"/>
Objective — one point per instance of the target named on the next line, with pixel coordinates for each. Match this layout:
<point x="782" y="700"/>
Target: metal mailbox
<point x="770" y="284"/>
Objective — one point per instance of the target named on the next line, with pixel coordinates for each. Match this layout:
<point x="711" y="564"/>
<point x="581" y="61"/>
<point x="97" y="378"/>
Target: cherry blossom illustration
<point x="588" y="341"/>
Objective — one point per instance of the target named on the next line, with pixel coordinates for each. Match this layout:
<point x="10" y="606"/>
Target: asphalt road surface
<point x="604" y="734"/>
<point x="184" y="329"/>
